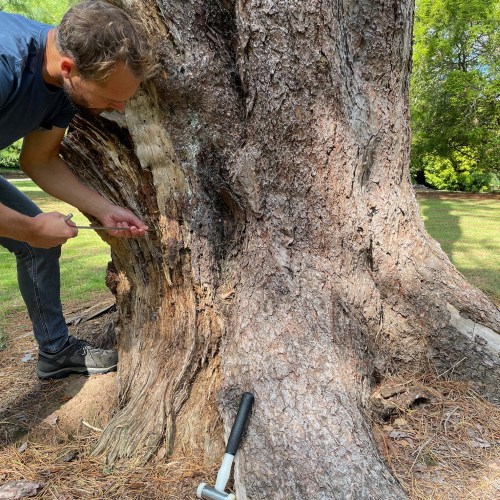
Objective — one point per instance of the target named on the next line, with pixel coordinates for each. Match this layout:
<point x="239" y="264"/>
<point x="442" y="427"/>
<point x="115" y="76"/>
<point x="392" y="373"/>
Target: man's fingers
<point x="128" y="231"/>
<point x="132" y="232"/>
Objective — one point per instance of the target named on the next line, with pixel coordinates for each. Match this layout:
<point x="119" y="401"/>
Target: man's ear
<point x="68" y="67"/>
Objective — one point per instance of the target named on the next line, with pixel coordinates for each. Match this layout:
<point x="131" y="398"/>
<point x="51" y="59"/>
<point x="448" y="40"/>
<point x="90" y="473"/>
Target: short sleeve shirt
<point x="26" y="102"/>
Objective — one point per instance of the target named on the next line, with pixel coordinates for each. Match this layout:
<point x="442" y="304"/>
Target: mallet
<point x="206" y="492"/>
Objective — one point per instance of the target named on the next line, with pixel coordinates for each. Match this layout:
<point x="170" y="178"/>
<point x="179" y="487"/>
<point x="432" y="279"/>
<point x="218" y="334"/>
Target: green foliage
<point x="9" y="157"/>
<point x="458" y="172"/>
<point x="455" y="87"/>
<point x="45" y="11"/>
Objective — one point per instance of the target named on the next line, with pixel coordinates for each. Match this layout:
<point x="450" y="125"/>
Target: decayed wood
<point x="291" y="260"/>
<point x="91" y="313"/>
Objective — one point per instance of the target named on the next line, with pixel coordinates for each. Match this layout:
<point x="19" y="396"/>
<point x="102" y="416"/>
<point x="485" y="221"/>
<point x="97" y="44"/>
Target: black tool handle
<point x="239" y="423"/>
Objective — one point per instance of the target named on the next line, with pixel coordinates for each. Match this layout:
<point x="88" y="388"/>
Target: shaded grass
<point x="467" y="228"/>
<point x="11" y="172"/>
<point x="83" y="260"/>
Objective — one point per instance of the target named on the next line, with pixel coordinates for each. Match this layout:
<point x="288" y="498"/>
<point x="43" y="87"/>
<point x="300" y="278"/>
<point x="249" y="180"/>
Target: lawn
<point x="467" y="226"/>
<point x="83" y="261"/>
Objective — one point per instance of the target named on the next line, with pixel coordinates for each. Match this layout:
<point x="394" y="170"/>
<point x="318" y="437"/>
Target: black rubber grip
<point x="239" y="423"/>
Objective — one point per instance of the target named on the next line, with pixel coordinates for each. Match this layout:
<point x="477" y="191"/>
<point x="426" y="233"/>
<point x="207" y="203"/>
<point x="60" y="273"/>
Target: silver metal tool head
<point x="208" y="493"/>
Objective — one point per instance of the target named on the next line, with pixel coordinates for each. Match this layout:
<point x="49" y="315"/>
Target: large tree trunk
<point x="286" y="256"/>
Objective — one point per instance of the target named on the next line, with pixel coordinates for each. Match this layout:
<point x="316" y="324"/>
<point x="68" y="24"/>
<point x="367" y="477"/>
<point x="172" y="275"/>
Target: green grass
<point x="83" y="260"/>
<point x="468" y="230"/>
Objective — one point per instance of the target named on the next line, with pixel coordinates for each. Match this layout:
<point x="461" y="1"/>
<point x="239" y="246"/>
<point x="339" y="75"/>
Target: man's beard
<point x="79" y="102"/>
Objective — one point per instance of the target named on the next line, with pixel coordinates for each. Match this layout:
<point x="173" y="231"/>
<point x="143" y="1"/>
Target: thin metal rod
<point x="103" y="228"/>
<point x="98" y="228"/>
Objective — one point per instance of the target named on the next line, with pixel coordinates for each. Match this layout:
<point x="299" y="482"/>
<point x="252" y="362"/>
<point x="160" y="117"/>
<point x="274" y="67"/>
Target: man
<point x="95" y="59"/>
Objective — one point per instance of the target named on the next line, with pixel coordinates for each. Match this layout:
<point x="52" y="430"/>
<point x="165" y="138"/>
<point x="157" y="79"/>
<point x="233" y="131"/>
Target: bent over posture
<point x="94" y="60"/>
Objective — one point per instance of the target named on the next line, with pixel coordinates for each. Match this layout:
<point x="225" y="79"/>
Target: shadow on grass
<point x="466" y="227"/>
<point x="440" y="221"/>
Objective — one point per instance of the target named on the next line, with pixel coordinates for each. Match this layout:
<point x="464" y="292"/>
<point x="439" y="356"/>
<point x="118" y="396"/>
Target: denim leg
<point x="38" y="276"/>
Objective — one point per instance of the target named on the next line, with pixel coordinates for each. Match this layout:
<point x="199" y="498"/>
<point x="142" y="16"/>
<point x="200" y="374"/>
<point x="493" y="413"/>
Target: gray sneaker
<point x="79" y="357"/>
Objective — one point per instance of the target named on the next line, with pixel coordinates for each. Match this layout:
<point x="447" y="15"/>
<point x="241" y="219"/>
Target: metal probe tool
<point x="98" y="228"/>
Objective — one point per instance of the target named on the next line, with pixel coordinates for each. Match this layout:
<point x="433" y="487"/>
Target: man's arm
<point x="43" y="231"/>
<point x="41" y="161"/>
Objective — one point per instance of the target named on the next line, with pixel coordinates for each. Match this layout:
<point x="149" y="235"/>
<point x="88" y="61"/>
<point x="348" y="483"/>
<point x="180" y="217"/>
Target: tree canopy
<point x="454" y="93"/>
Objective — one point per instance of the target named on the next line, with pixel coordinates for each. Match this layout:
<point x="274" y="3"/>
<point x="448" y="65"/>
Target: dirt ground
<point x="441" y="439"/>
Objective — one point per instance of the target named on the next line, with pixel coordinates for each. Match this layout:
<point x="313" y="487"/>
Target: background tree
<point x="286" y="256"/>
<point x="45" y="11"/>
<point x="454" y="93"/>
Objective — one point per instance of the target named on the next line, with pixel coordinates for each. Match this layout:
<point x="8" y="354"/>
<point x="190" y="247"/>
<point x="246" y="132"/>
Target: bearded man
<point x="95" y="60"/>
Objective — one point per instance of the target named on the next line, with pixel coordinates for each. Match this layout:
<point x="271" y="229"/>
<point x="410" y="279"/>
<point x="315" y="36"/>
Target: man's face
<point x="96" y="97"/>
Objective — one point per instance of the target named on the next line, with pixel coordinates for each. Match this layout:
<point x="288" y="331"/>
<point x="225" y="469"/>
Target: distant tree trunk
<point x="286" y="256"/>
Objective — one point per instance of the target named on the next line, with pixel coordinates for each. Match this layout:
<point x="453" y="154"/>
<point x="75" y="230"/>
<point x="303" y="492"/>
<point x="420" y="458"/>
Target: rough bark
<point x="287" y="256"/>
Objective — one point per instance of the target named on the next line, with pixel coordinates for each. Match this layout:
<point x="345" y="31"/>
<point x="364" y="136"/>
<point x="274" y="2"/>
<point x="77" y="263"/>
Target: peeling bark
<point x="287" y="255"/>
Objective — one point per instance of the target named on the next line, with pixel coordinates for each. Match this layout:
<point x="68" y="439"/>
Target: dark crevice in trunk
<point x="224" y="214"/>
<point x="218" y="21"/>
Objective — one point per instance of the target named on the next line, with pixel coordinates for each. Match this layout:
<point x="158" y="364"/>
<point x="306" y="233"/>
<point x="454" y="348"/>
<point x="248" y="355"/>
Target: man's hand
<point x="120" y="217"/>
<point x="40" y="160"/>
<point x="49" y="230"/>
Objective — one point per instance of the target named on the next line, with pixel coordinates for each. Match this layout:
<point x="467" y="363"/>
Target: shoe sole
<point x="63" y="373"/>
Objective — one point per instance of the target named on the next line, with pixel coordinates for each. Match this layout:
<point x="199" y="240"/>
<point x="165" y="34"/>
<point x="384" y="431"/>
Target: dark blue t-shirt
<point x="26" y="102"/>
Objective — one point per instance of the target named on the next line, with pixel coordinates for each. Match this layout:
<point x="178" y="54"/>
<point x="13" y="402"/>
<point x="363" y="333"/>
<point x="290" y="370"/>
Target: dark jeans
<point x="38" y="276"/>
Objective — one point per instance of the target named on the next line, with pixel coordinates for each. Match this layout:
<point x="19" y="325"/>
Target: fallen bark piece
<point x="388" y="402"/>
<point x="92" y="312"/>
<point x="19" y="489"/>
